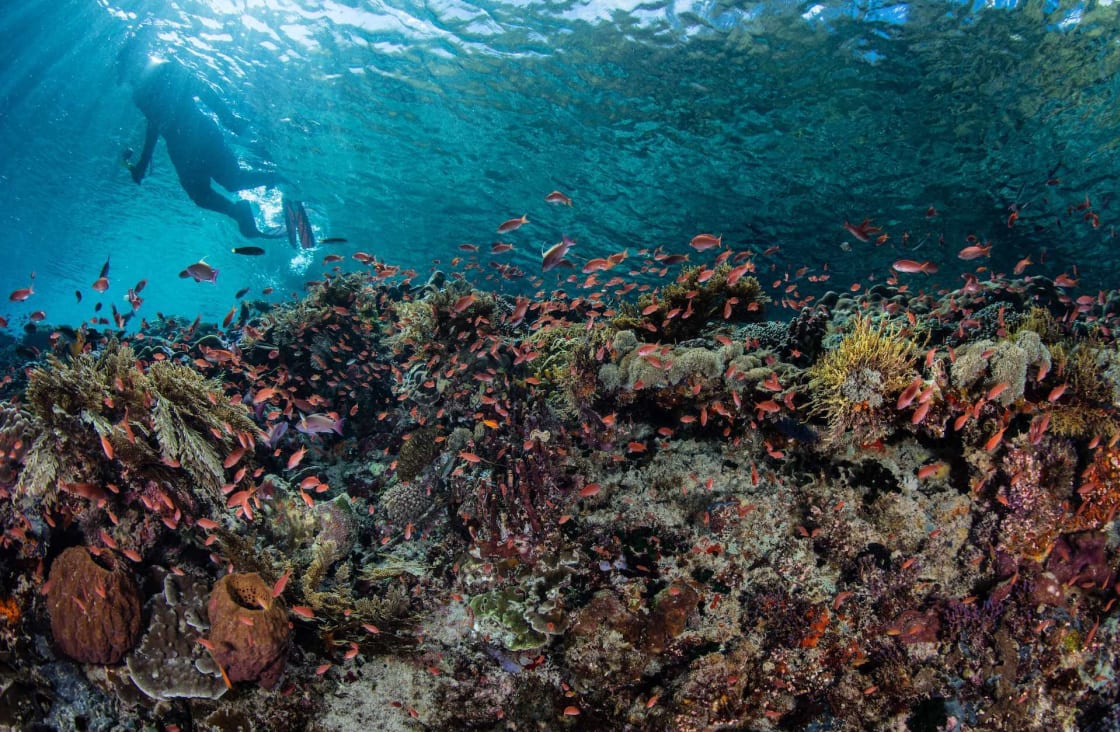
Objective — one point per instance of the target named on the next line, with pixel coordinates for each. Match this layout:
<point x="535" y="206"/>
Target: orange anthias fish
<point x="702" y="242"/>
<point x="559" y="198"/>
<point x="863" y="230"/>
<point x="975" y="252"/>
<point x="909" y="266"/>
<point x="513" y="224"/>
<point x="21" y="294"/>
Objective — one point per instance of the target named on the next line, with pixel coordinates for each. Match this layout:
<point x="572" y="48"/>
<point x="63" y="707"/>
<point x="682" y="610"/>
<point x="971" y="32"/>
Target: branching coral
<point x="853" y="387"/>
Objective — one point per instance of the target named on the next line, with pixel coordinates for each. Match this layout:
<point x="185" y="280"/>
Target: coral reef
<point x="1005" y="362"/>
<point x="448" y="508"/>
<point x="94" y="606"/>
<point x="680" y="310"/>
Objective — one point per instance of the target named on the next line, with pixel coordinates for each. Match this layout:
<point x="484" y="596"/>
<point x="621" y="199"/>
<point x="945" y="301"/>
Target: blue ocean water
<point x="413" y="128"/>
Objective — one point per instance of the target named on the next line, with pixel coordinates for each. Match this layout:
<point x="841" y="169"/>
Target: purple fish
<point x="275" y="432"/>
<point x="313" y="424"/>
<point x="201" y="272"/>
<point x="555" y="254"/>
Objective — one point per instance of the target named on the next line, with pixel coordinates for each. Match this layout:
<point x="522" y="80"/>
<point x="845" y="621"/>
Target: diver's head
<point x="135" y="52"/>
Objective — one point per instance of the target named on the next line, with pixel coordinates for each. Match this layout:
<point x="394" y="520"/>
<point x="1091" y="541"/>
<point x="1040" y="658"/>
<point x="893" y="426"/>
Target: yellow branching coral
<point x="854" y="386"/>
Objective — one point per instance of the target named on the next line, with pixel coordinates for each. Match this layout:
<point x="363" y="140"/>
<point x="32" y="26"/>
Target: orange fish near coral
<point x="975" y="252"/>
<point x="909" y="266"/>
<point x="703" y="242"/>
<point x="559" y="198"/>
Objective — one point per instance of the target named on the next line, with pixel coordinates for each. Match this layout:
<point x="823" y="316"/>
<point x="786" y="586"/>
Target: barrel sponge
<point x="249" y="629"/>
<point x="94" y="606"/>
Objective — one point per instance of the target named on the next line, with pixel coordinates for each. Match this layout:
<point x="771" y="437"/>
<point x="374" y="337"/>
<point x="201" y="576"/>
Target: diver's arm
<point x="140" y="168"/>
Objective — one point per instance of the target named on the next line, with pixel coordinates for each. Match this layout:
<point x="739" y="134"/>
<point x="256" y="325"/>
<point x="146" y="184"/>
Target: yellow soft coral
<point x="855" y="385"/>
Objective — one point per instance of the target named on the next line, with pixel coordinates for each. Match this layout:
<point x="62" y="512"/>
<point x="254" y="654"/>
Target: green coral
<point x="167" y="423"/>
<point x="853" y="386"/>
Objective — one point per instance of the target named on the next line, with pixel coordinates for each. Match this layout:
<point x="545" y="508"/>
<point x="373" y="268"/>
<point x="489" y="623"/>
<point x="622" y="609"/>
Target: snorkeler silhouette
<point x="193" y="120"/>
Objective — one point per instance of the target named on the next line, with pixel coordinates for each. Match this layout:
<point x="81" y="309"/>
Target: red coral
<point x="94" y="606"/>
<point x="248" y="629"/>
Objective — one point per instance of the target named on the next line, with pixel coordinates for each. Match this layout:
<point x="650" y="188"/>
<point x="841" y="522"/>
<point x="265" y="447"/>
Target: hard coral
<point x="854" y="385"/>
<point x="249" y="629"/>
<point x="169" y="663"/>
<point x="1004" y="362"/>
<point x="94" y="607"/>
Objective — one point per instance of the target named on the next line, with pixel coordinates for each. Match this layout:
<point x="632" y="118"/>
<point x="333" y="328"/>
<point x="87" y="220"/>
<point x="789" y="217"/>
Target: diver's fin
<point x="300" y="235"/>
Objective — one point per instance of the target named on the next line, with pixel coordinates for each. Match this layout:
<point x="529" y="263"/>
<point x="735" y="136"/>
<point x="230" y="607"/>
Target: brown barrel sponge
<point x="249" y="629"/>
<point x="94" y="605"/>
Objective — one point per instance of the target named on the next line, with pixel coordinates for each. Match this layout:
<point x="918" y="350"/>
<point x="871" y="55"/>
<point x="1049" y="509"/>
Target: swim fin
<point x="300" y="235"/>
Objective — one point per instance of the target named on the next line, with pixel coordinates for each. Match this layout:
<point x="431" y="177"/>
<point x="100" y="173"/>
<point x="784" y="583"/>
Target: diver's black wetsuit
<point x="190" y="116"/>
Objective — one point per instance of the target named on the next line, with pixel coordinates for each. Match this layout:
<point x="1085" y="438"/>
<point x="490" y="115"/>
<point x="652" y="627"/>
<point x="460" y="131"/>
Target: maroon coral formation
<point x="94" y="607"/>
<point x="248" y="629"/>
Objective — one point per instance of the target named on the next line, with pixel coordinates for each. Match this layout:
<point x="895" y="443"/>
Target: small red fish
<point x="920" y="413"/>
<point x="927" y="470"/>
<point x="909" y="393"/>
<point x="296" y="457"/>
<point x="101" y="284"/>
<point x="975" y="252"/>
<point x="21" y="294"/>
<point x="703" y="242"/>
<point x="278" y="588"/>
<point x="1022" y="265"/>
<point x="513" y="224"/>
<point x="863" y="230"/>
<point x="1064" y="280"/>
<point x="994" y="440"/>
<point x="996" y="390"/>
<point x="909" y="266"/>
<point x="559" y="198"/>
